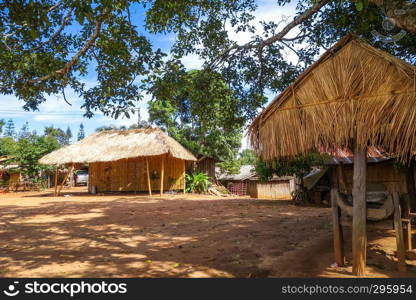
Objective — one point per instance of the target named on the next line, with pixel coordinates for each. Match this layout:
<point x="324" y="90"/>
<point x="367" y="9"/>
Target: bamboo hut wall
<point x="393" y="178"/>
<point x="205" y="165"/>
<point x="130" y="174"/>
<point x="270" y="190"/>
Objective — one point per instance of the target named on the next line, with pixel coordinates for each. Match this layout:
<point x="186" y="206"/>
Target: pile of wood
<point x="219" y="191"/>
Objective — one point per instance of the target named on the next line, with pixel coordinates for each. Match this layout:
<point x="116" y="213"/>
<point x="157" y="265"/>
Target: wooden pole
<point x="149" y="186"/>
<point x="359" y="221"/>
<point x="337" y="229"/>
<point x="65" y="178"/>
<point x="162" y="174"/>
<point x="56" y="182"/>
<point x="401" y="252"/>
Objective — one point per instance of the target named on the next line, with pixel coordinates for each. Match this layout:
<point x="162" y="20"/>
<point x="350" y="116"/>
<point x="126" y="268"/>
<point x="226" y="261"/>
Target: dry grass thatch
<point x="354" y="92"/>
<point x="115" y="145"/>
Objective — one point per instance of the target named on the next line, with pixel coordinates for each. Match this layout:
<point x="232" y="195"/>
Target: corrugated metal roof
<point x="346" y="156"/>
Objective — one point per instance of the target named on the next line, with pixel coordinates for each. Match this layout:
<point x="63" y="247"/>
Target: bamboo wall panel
<point x="270" y="190"/>
<point x="130" y="174"/>
<point x="393" y="178"/>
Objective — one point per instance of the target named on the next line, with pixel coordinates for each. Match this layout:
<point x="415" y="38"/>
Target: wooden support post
<point x="341" y="179"/>
<point x="56" y="182"/>
<point x="359" y="219"/>
<point x="162" y="174"/>
<point x="184" y="178"/>
<point x="406" y="220"/>
<point x="65" y="178"/>
<point x="401" y="252"/>
<point x="407" y="233"/>
<point x="337" y="229"/>
<point x="149" y="186"/>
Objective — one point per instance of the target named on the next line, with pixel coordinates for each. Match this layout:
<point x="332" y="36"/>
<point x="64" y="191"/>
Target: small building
<point x="204" y="164"/>
<point x="10" y="176"/>
<point x="246" y="182"/>
<point x="382" y="173"/>
<point x="136" y="160"/>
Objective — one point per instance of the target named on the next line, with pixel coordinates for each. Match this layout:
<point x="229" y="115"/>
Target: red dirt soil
<point x="125" y="235"/>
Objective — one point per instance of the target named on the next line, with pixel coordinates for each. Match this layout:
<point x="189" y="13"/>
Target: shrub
<point x="197" y="183"/>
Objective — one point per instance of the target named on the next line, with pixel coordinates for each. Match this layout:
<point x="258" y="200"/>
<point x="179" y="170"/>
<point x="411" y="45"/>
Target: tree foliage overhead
<point x="198" y="109"/>
<point x="51" y="45"/>
<point x="298" y="166"/>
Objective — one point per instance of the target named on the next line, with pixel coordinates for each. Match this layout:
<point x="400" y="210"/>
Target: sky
<point x="55" y="112"/>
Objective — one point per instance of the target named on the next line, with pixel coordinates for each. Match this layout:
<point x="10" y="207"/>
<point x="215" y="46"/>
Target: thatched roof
<point x="115" y="144"/>
<point x="353" y="92"/>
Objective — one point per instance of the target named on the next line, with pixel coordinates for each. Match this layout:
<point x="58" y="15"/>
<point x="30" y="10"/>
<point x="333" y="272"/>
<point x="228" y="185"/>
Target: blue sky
<point x="59" y="114"/>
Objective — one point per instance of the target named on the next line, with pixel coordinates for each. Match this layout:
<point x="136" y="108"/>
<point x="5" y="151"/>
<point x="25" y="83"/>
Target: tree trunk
<point x="359" y="234"/>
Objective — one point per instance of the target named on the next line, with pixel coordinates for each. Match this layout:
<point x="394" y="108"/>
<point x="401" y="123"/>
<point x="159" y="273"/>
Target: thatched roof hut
<point x="354" y="92"/>
<point x="354" y="96"/>
<point x="114" y="145"/>
<point x="132" y="160"/>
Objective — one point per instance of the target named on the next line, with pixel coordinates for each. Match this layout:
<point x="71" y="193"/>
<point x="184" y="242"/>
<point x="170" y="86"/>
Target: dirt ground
<point x="120" y="235"/>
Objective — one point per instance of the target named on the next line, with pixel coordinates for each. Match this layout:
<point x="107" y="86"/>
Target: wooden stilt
<point x="184" y="178"/>
<point x="401" y="252"/>
<point x="337" y="229"/>
<point x="149" y="186"/>
<point x="56" y="182"/>
<point x="65" y="178"/>
<point x="407" y="234"/>
<point x="359" y="222"/>
<point x="162" y="175"/>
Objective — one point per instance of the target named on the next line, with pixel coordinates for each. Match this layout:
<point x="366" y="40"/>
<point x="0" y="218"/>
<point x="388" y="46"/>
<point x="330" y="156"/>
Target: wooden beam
<point x="65" y="178"/>
<point x="149" y="186"/>
<point x="401" y="252"/>
<point x="56" y="182"/>
<point x="184" y="178"/>
<point x="341" y="179"/>
<point x="359" y="221"/>
<point x="162" y="175"/>
<point x="337" y="229"/>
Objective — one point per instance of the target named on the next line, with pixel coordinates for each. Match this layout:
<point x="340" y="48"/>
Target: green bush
<point x="197" y="183"/>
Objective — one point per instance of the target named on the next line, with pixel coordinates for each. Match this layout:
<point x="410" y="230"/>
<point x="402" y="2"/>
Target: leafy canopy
<point x="198" y="109"/>
<point x="51" y="45"/>
<point x="26" y="148"/>
<point x="299" y="166"/>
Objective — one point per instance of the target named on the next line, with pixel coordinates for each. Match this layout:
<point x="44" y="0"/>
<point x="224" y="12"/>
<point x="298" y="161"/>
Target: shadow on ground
<point x="137" y="236"/>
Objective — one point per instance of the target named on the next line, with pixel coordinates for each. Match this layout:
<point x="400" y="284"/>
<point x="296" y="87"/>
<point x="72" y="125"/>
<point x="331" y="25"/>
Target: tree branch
<point x="277" y="37"/>
<point x="296" y="21"/>
<point x="55" y="35"/>
<point x="76" y="58"/>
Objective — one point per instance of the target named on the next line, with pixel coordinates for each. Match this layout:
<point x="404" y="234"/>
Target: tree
<point x="2" y="123"/>
<point x="50" y="46"/>
<point x="261" y="64"/>
<point x="9" y="129"/>
<point x="81" y="132"/>
<point x="24" y="131"/>
<point x="7" y="146"/>
<point x="29" y="150"/>
<point x="248" y="157"/>
<point x="197" y="109"/>
<point x="61" y="136"/>
<point x="68" y="134"/>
